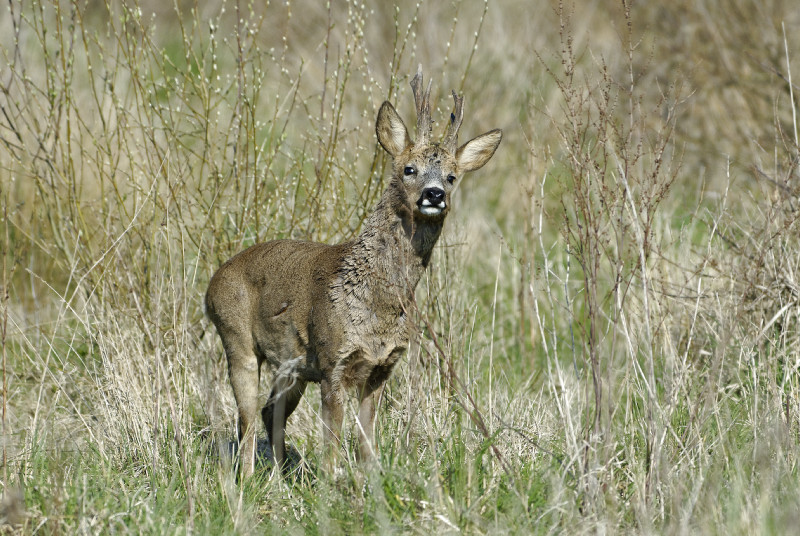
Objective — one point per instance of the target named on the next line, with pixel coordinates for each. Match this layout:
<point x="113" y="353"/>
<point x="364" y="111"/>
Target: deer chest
<point x="370" y="344"/>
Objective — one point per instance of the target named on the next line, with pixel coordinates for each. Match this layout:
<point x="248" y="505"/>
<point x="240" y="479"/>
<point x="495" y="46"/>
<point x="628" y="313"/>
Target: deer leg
<point x="370" y="396"/>
<point x="243" y="368"/>
<point x="332" y="416"/>
<point x="286" y="394"/>
<point x="366" y="422"/>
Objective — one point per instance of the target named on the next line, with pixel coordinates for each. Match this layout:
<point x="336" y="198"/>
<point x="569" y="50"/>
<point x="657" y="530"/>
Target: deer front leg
<point x="370" y="396"/>
<point x="286" y="394"/>
<point x="366" y="423"/>
<point x="332" y="416"/>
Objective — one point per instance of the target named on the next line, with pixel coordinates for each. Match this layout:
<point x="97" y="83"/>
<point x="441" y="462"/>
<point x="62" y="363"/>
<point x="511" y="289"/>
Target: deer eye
<point x="410" y="170"/>
<point x="451" y="179"/>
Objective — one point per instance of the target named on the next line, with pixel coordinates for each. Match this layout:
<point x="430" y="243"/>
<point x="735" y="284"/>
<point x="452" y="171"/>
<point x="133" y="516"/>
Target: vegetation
<point x="609" y="338"/>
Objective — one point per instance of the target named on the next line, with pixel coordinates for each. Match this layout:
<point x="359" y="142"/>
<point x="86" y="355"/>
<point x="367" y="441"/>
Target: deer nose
<point x="435" y="196"/>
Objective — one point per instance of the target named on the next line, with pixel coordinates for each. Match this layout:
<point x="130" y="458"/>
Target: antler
<point x="450" y="142"/>
<point x="423" y="103"/>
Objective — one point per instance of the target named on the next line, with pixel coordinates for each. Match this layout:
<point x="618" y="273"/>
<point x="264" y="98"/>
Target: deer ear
<point x="391" y="130"/>
<point x="476" y="152"/>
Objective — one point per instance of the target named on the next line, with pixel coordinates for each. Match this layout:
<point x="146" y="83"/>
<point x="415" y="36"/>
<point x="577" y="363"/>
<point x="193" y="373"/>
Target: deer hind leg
<point x="244" y="371"/>
<point x="283" y="399"/>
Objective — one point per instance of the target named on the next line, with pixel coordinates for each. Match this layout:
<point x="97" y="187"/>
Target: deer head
<point x="424" y="173"/>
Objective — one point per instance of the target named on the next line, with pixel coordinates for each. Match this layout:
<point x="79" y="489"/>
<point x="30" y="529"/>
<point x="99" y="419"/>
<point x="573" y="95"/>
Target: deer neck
<point x="398" y="245"/>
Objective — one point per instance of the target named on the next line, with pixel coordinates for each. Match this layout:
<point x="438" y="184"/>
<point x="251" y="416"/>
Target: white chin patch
<point x="430" y="210"/>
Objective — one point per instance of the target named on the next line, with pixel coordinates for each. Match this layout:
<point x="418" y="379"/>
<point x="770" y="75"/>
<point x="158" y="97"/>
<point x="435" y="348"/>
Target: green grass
<point x="608" y="334"/>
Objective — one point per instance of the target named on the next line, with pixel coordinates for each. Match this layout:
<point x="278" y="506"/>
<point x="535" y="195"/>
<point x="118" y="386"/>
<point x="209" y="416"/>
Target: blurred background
<point x="608" y="336"/>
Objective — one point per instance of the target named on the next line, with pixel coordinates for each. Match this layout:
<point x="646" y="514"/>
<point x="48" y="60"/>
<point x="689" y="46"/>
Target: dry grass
<point x="608" y="340"/>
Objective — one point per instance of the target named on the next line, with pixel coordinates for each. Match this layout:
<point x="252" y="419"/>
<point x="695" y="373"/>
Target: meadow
<point x="608" y="339"/>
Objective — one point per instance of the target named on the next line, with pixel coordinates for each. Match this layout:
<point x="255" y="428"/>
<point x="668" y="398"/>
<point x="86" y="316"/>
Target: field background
<point x="609" y="336"/>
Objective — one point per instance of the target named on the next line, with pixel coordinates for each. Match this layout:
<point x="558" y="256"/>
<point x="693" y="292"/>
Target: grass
<point x="608" y="336"/>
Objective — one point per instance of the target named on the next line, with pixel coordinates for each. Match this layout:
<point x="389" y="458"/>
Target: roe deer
<point x="337" y="314"/>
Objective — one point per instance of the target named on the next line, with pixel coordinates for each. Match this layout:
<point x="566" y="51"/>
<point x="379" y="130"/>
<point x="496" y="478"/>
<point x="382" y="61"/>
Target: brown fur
<point x="337" y="314"/>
